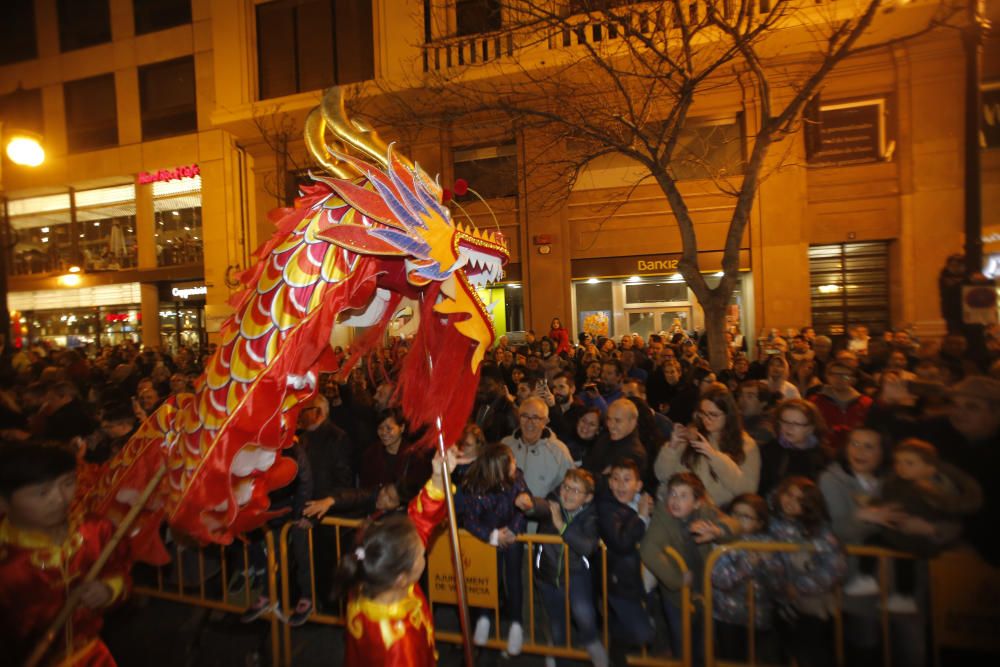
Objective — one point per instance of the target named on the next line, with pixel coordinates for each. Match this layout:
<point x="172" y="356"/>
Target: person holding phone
<point x="714" y="447"/>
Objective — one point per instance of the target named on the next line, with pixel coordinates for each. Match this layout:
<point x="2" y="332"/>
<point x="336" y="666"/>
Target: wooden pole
<point x="73" y="600"/>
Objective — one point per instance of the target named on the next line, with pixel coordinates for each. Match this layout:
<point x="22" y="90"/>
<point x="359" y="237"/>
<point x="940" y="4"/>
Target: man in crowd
<point x="620" y="442"/>
<point x="842" y="406"/>
<point x="493" y="410"/>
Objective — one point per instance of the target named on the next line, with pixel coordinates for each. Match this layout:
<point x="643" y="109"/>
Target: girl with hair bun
<point x="388" y="619"/>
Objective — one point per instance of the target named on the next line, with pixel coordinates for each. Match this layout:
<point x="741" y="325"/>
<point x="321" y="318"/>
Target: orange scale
<point x="300" y="272"/>
<point x="256" y="323"/>
<point x="283" y="314"/>
<point x="332" y="270"/>
<point x="273" y="273"/>
<point x="289" y="243"/>
<point x="237" y="391"/>
<point x="243" y="367"/>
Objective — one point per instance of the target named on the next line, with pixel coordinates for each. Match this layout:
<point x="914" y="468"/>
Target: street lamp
<point x="23" y="149"/>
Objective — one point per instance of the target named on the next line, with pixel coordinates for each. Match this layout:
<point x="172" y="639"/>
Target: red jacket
<point x="561" y="339"/>
<point x="35" y="577"/>
<point x="841" y="420"/>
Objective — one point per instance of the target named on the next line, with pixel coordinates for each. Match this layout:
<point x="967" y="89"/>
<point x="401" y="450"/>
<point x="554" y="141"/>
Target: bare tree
<point x="609" y="77"/>
<point x="282" y="134"/>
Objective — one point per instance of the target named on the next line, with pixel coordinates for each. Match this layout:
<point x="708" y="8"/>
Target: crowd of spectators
<point x="640" y="443"/>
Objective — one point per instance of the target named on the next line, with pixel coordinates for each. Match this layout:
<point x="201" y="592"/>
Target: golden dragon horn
<point x="314" y="132"/>
<point x="355" y="134"/>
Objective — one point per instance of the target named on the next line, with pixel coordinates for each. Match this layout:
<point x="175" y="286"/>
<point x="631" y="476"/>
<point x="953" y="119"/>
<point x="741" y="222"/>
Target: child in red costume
<point x="388" y="620"/>
<point x="45" y="552"/>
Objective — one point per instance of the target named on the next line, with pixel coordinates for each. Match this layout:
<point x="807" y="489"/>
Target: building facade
<point x="174" y="126"/>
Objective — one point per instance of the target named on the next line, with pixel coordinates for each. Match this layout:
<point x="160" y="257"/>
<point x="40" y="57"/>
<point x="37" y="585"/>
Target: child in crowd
<point x="470" y="443"/>
<point x="490" y="505"/>
<point x="804" y="620"/>
<point x="571" y="515"/>
<point x="924" y="487"/>
<point x="623" y="513"/>
<point x="45" y="552"/>
<point x="733" y="572"/>
<point x="688" y="522"/>
<point x="388" y="620"/>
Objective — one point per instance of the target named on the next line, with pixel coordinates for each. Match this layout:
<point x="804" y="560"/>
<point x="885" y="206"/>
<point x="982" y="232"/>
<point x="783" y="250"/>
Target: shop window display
<point x="177" y="206"/>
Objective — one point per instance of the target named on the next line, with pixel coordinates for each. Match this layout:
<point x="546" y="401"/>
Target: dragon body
<point x="346" y="255"/>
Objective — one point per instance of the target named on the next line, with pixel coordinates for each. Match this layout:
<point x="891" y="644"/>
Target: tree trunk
<point x="715" y="328"/>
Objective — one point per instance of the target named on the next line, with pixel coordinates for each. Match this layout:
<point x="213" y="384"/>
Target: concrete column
<point x="150" y="315"/>
<point x="145" y="226"/>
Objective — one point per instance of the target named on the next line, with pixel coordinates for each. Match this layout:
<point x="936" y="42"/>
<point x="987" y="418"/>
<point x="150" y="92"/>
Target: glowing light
<point x="69" y="280"/>
<point x="45" y="230"/>
<point x="592" y="281"/>
<point x="829" y="289"/>
<point x="74" y="269"/>
<point x="25" y="151"/>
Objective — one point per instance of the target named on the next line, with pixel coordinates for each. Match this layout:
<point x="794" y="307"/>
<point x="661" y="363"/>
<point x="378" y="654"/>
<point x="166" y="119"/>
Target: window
<point x="595" y="307"/>
<point x="22" y="110"/>
<point x="167" y="98"/>
<point x="709" y="150"/>
<point x="177" y="209"/>
<point x="105" y="228"/>
<point x="849" y="284"/>
<point x="17" y="32"/>
<point x="491" y="171"/>
<point x="307" y="45"/>
<point x="91" y="115"/>
<point x="845" y="133"/>
<point x="474" y="17"/>
<point x="83" y="23"/>
<point x="153" y="15"/>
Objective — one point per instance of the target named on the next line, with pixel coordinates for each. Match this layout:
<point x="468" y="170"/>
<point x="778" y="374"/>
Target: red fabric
<point x="840" y="421"/>
<point x="401" y="634"/>
<point x="35" y="578"/>
<point x="561" y="338"/>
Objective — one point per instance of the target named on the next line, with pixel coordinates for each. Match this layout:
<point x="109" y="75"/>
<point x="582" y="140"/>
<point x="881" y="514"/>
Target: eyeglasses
<point x="573" y="490"/>
<point x="785" y="422"/>
<point x="534" y="418"/>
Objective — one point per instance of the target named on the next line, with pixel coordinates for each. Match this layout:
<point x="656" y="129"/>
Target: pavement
<point x="150" y="632"/>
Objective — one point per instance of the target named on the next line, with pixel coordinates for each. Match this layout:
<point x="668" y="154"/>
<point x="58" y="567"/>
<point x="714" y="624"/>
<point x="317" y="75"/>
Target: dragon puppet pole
<point x="456" y="553"/>
<point x="73" y="600"/>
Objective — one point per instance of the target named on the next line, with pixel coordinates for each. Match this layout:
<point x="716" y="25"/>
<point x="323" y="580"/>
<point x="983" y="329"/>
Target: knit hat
<point x="978" y="386"/>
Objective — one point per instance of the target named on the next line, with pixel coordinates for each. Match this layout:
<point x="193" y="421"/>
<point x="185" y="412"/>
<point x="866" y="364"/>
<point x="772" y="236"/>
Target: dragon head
<point x="400" y="213"/>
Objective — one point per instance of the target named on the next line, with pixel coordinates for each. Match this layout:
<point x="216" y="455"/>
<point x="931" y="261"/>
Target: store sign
<point x="146" y="177"/>
<point x="848" y="134"/>
<point x="646" y="265"/>
<point x="188" y="292"/>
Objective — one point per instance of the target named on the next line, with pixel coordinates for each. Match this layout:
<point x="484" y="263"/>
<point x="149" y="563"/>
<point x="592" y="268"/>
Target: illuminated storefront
<point x="645" y="294"/>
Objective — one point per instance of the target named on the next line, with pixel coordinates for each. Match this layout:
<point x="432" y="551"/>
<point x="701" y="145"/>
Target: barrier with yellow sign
<point x="480" y="562"/>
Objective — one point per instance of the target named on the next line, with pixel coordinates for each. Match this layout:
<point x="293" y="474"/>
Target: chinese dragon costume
<point x="359" y="240"/>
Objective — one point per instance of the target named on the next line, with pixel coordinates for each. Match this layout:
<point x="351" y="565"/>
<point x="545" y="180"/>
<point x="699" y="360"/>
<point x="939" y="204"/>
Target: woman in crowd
<point x="559" y="336"/>
<point x="805" y="379"/>
<point x="588" y="429"/>
<point x="715" y="448"/>
<point x="800" y="448"/>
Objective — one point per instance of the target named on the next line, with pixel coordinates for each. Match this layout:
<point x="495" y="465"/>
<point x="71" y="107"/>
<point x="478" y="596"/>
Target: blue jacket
<point x="482" y="514"/>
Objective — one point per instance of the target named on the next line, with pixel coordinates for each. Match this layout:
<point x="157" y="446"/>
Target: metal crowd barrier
<point x="883" y="555"/>
<point x="177" y="588"/>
